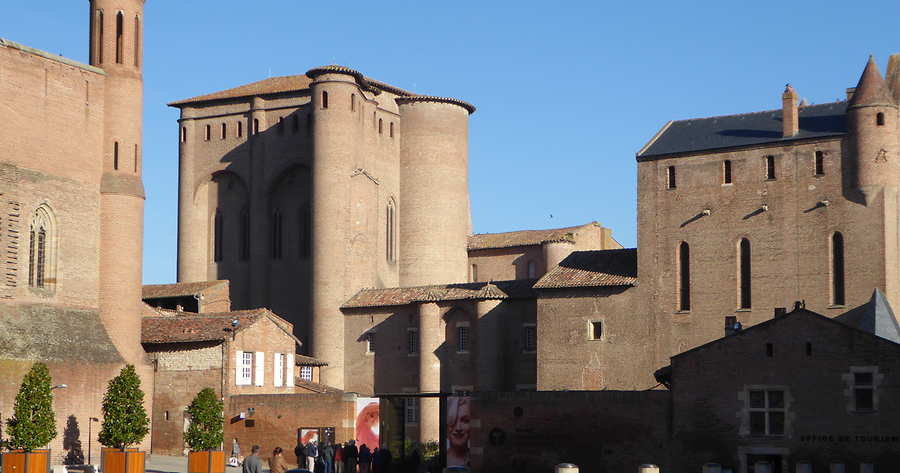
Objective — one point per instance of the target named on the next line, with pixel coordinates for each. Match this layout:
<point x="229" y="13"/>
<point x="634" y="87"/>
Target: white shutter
<point x="278" y="378"/>
<point x="238" y="368"/>
<point x="260" y="367"/>
<point x="290" y="370"/>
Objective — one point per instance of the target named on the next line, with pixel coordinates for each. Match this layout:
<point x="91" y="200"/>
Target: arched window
<point x="305" y="231"/>
<point x="380" y="126"/>
<point x="42" y="249"/>
<point x="837" y="269"/>
<point x="879" y="119"/>
<point x="277" y="229"/>
<point x="224" y="131"/>
<point x="100" y="36"/>
<point x="245" y="235"/>
<point x="183" y="134"/>
<point x="474" y="273"/>
<point x="745" y="274"/>
<point x="324" y="99"/>
<point x="116" y="156"/>
<point x="352" y="102"/>
<point x="390" y="230"/>
<point x="137" y="40"/>
<point x="218" y="235"/>
<point x="671" y="177"/>
<point x="726" y="172"/>
<point x="255" y="126"/>
<point x="240" y="129"/>
<point x="684" y="276"/>
<point x="820" y="163"/>
<point x="208" y="132"/>
<point x="120" y="20"/>
<point x="392" y="129"/>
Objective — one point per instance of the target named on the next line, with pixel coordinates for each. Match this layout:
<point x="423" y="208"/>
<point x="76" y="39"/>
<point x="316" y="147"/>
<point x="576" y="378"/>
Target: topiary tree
<point x="205" y="431"/>
<point x="33" y="423"/>
<point x="125" y="420"/>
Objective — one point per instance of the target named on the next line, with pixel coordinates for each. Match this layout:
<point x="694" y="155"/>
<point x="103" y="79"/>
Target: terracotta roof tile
<point x="191" y="327"/>
<point x="157" y="291"/>
<point x="303" y="360"/>
<point x="316" y="387"/>
<point x="269" y="86"/>
<point x="485" y="241"/>
<point x="593" y="268"/>
<point x="871" y="89"/>
<point x="396" y="296"/>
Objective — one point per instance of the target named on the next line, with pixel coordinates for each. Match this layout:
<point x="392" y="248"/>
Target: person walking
<point x="351" y="453"/>
<point x="365" y="459"/>
<point x="338" y="458"/>
<point x="236" y="453"/>
<point x="311" y="454"/>
<point x="328" y="458"/>
<point x="376" y="461"/>
<point x="253" y="464"/>
<point x="277" y="464"/>
<point x="300" y="451"/>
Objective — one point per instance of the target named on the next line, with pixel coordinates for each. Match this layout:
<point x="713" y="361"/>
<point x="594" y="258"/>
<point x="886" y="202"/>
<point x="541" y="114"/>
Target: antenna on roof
<point x="270" y="73"/>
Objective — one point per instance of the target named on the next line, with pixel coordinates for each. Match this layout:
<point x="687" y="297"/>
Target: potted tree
<point x="32" y="425"/>
<point x="205" y="433"/>
<point x="125" y="423"/>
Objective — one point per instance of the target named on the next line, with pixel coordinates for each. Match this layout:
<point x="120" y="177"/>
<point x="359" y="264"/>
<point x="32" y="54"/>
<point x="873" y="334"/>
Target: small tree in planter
<point x="205" y="433"/>
<point x="33" y="423"/>
<point x="125" y="423"/>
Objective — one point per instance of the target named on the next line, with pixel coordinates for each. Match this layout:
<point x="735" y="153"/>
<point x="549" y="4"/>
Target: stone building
<point x="72" y="219"/>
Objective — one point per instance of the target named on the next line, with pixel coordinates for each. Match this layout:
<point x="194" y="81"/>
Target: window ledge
<point x="462" y="353"/>
<point x="744" y="309"/>
<point x="532" y="352"/>
<point x="412" y="354"/>
<point x="834" y="306"/>
<point x="863" y="411"/>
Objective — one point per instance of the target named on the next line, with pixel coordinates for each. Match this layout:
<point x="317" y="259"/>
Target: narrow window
<point x="218" y="234"/>
<point x="116" y="156"/>
<point x="280" y="125"/>
<point x="119" y="30"/>
<point x="413" y="342"/>
<point x="324" y="99"/>
<point x="370" y="342"/>
<point x="255" y="126"/>
<point x="352" y="102"/>
<point x="135" y="157"/>
<point x="305" y="231"/>
<point x="245" y="235"/>
<point x="474" y="273"/>
<point x="100" y="36"/>
<point x="595" y="330"/>
<point x="863" y="392"/>
<point x="412" y="411"/>
<point x="726" y="172"/>
<point x="224" y="133"/>
<point x="463" y="339"/>
<point x="820" y="163"/>
<point x="240" y="129"/>
<point x="41" y="272"/>
<point x="246" y="367"/>
<point x="770" y="167"/>
<point x="770" y="350"/>
<point x="808" y="349"/>
<point x="392" y="129"/>
<point x="530" y="338"/>
<point x="837" y="269"/>
<point x="295" y="124"/>
<point x="208" y="132"/>
<point x="390" y="231"/>
<point x="671" y="177"/>
<point x="379" y="126"/>
<point x="276" y="233"/>
<point x="183" y="134"/>
<point x="137" y="40"/>
<point x="531" y="270"/>
<point x="879" y="119"/>
<point x="745" y="274"/>
<point x="685" y="276"/>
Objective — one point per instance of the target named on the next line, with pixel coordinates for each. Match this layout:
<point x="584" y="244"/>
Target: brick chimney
<point x="791" y="121"/>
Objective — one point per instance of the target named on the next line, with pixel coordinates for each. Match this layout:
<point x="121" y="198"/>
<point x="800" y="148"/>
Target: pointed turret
<point x="872" y="118"/>
<point x="879" y="318"/>
<point x="892" y="76"/>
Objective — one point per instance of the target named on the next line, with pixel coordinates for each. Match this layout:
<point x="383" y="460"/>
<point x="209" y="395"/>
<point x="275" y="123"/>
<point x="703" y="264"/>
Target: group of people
<point x="346" y="458"/>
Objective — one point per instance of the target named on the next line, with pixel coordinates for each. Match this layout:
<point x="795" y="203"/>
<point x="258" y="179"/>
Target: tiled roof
<point x="189" y="327"/>
<point x="396" y="296"/>
<point x="157" y="291"/>
<point x="701" y="134"/>
<point x="871" y="90"/>
<point x="303" y="360"/>
<point x="273" y="85"/>
<point x="484" y="241"/>
<point x="316" y="387"/>
<point x="75" y="335"/>
<point x="592" y="269"/>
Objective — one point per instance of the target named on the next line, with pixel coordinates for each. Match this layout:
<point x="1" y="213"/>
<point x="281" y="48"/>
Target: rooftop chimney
<point x="790" y="120"/>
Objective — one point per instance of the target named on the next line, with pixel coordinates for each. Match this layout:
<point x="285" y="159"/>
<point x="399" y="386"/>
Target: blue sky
<point x="566" y="92"/>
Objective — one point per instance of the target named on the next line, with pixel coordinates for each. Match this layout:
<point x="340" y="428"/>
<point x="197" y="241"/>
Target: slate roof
<point x="75" y="335"/>
<point x="397" y="296"/>
<point x="593" y="269"/>
<point x="484" y="241"/>
<point x="732" y="131"/>
<point x="879" y="318"/>
<point x="211" y="327"/>
<point x="158" y="291"/>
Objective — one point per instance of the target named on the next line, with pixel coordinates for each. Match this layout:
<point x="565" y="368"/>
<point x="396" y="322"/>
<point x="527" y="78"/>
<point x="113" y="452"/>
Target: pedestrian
<point x="236" y="457"/>
<point x="351" y="453"/>
<point x="338" y="458"/>
<point x="328" y="458"/>
<point x="311" y="454"/>
<point x="376" y="460"/>
<point x="365" y="459"/>
<point x="277" y="464"/>
<point x="300" y="451"/>
<point x="253" y="464"/>
<point x="386" y="459"/>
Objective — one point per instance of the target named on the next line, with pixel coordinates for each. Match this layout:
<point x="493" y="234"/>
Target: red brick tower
<point x="116" y="45"/>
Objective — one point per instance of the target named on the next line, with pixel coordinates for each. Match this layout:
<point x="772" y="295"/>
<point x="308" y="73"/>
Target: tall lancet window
<point x="277" y="231"/>
<point x="745" y="274"/>
<point x="218" y="236"/>
<point x="684" y="276"/>
<point x="837" y="269"/>
<point x="41" y="252"/>
<point x="390" y="231"/>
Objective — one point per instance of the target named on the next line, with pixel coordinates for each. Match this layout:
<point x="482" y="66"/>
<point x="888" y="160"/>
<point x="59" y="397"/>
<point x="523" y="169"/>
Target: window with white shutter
<point x="278" y="378"/>
<point x="290" y="370"/>
<point x="242" y="368"/>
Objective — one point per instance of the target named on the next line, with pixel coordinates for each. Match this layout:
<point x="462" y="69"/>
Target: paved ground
<point x="163" y="464"/>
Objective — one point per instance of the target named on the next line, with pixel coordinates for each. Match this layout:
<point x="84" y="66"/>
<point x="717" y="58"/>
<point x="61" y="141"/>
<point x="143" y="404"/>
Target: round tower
<point x="872" y="118"/>
<point x="116" y="44"/>
<point x="339" y="240"/>
<point x="435" y="219"/>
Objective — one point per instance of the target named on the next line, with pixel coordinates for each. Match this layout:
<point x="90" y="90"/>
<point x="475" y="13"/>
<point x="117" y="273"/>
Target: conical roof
<point x="879" y="319"/>
<point x="871" y="89"/>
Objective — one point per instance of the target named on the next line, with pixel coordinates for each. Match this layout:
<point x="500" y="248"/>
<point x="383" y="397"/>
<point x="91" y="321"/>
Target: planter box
<point x="208" y="461"/>
<point x="37" y="461"/>
<point x="114" y="460"/>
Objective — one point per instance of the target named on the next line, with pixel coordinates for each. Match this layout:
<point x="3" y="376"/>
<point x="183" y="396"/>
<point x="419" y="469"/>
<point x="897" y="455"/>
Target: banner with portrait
<point x="458" y="431"/>
<point x="367" y="422"/>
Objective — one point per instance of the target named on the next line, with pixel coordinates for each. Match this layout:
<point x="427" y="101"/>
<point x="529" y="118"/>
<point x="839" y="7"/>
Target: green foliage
<point x="125" y="421"/>
<point x="33" y="423"/>
<point x="205" y="432"/>
<point x="427" y="450"/>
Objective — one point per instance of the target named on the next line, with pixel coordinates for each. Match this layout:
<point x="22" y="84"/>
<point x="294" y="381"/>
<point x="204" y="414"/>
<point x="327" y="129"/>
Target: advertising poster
<point x="458" y="431"/>
<point x="307" y="435"/>
<point x="367" y="422"/>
